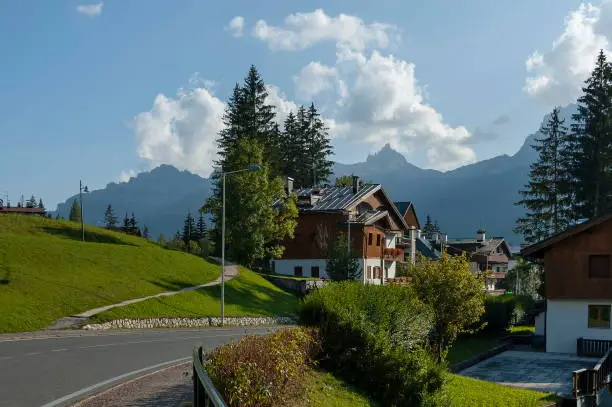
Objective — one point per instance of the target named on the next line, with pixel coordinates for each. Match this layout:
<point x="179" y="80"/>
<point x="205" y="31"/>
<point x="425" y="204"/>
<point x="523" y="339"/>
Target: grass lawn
<point x="468" y="392"/>
<point x="325" y="390"/>
<point x="467" y="346"/>
<point x="47" y="272"/>
<point x="246" y="295"/>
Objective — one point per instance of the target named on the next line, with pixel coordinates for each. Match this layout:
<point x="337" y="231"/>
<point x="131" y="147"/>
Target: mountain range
<point x="479" y="195"/>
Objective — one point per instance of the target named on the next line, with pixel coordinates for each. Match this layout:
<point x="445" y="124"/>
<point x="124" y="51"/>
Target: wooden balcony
<point x="393" y="254"/>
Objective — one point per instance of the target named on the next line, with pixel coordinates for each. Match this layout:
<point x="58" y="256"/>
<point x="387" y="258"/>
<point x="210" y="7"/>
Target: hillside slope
<point x="47" y="272"/>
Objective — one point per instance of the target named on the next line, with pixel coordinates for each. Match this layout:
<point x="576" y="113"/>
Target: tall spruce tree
<point x="75" y="212"/>
<point x="318" y="146"/>
<point x="125" y="227"/>
<point x="145" y="232"/>
<point x="189" y="230"/>
<point x="428" y="228"/>
<point x="41" y="205"/>
<point x="201" y="230"/>
<point x="250" y="136"/>
<point x="133" y="226"/>
<point x="110" y="220"/>
<point x="547" y="195"/>
<point x="591" y="144"/>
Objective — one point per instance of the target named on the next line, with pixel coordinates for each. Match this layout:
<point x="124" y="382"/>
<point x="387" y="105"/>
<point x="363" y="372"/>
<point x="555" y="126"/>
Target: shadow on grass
<point x="76" y="234"/>
<point x="169" y="284"/>
<point x="6" y="278"/>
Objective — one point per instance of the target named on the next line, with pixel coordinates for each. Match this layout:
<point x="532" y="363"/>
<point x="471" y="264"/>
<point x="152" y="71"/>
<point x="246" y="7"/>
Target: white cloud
<point x="303" y="30"/>
<point x="181" y="131"/>
<point x="313" y="79"/>
<point x="278" y="99"/>
<point x="125" y="176"/>
<point x="91" y="10"/>
<point x="556" y="76"/>
<point x="236" y="26"/>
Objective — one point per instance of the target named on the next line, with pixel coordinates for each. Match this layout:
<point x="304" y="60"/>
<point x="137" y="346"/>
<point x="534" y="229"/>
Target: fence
<point x="204" y="392"/>
<point x="592" y="347"/>
<point x="587" y="383"/>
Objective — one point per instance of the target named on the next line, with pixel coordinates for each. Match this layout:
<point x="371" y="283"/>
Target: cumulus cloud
<point x="313" y="79"/>
<point x="181" y="130"/>
<point x="91" y="10"/>
<point x="557" y="75"/>
<point x="303" y="30"/>
<point x="125" y="176"/>
<point x="236" y="26"/>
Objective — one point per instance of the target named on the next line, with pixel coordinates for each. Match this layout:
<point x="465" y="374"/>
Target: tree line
<point x="259" y="214"/>
<point x="572" y="178"/>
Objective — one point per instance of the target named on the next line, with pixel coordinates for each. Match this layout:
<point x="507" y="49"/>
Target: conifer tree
<point x="110" y="220"/>
<point x="189" y="230"/>
<point x="40" y="204"/>
<point x="145" y="232"/>
<point x="125" y="227"/>
<point x="133" y="225"/>
<point x="590" y="149"/>
<point x="547" y="195"/>
<point x="318" y="146"/>
<point x="201" y="228"/>
<point x="75" y="212"/>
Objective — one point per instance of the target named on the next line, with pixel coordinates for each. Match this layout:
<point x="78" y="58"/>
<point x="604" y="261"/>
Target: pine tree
<point x="31" y="203"/>
<point x="428" y="228"/>
<point x="133" y="225"/>
<point x="125" y="227"/>
<point x="435" y="228"/>
<point x="75" y="212"/>
<point x="110" y="220"/>
<point x="201" y="231"/>
<point x="189" y="230"/>
<point x="145" y="232"/>
<point x="318" y="146"/>
<point x="591" y="144"/>
<point x="40" y="204"/>
<point x="547" y="195"/>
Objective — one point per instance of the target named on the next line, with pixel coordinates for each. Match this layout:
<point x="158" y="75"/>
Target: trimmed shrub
<point x="504" y="311"/>
<point x="263" y="371"/>
<point x="376" y="338"/>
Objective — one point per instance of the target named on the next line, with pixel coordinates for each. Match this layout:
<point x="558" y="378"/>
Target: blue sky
<point x="77" y="91"/>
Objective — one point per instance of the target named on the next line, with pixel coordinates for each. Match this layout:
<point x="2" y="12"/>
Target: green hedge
<point x="376" y="338"/>
<point x="504" y="311"/>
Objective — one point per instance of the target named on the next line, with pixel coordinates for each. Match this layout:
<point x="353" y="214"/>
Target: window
<point x="599" y="316"/>
<point x="369" y="239"/>
<point x="369" y="273"/>
<point x="297" y="271"/>
<point x="599" y="266"/>
<point x="377" y="240"/>
<point x="314" y="271"/>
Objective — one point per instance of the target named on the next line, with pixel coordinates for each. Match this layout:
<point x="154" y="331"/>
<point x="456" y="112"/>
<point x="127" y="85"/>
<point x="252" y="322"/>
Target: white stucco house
<point x="578" y="277"/>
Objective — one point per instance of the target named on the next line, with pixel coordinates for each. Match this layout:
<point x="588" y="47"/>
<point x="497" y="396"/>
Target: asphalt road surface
<point x="64" y="368"/>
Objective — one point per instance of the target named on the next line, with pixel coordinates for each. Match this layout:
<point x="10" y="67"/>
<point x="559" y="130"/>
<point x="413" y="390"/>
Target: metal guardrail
<point x="204" y="392"/>
<point x="592" y="347"/>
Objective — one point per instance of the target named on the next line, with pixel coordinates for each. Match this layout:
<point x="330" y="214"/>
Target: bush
<point x="375" y="337"/>
<point x="263" y="371"/>
<point x="504" y="311"/>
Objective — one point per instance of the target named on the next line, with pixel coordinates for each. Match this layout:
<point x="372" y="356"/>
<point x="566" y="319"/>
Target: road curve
<point x="60" y="369"/>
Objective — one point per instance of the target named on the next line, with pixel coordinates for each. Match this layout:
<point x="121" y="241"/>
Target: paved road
<point x="59" y="370"/>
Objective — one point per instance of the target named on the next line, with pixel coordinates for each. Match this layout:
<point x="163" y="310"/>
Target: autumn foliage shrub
<point x="376" y="338"/>
<point x="264" y="370"/>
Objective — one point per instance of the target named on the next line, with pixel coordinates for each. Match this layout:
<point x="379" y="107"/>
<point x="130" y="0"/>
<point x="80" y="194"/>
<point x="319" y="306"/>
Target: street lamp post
<point x="223" y="174"/>
<point x="82" y="188"/>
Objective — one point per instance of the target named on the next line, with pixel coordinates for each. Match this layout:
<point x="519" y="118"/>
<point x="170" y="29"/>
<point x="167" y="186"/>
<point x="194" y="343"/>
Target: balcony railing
<point x="393" y="254"/>
<point x="587" y="383"/>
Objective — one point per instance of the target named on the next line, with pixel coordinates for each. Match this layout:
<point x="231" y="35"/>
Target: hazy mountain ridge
<point x="481" y="194"/>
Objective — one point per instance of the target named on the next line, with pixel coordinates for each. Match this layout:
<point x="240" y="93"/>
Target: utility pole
<point x="82" y="188"/>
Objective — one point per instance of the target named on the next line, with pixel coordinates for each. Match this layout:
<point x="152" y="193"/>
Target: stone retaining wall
<point x="189" y="322"/>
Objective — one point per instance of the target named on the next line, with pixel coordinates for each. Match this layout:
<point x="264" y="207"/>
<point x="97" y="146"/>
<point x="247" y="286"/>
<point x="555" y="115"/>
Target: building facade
<point x="362" y="213"/>
<point x="578" y="278"/>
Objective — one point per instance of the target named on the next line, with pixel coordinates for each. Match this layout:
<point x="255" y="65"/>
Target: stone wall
<point x="189" y="322"/>
<point x="298" y="287"/>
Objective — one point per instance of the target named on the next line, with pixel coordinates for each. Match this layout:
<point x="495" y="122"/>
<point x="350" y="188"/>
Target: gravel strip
<point x="169" y="387"/>
<point x="189" y="322"/>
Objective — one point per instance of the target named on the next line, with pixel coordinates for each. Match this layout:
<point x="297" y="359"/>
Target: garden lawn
<point x="47" y="272"/>
<point x="467" y="346"/>
<point x="468" y="392"/>
<point x="325" y="390"/>
<point x="246" y="295"/>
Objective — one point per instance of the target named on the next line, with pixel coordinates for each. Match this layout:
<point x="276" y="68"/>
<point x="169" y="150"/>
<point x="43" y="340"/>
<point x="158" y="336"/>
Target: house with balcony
<point x="413" y="242"/>
<point x="363" y="213"/>
<point x="484" y="253"/>
<point x="578" y="281"/>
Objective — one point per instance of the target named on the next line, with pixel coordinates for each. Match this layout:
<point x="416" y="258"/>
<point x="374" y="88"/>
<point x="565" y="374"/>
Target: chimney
<point x="445" y="239"/>
<point x="413" y="233"/>
<point x="481" y="235"/>
<point x="419" y="233"/>
<point x="355" y="184"/>
<point x="288" y="185"/>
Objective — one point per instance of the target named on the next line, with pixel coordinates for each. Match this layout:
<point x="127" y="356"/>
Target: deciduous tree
<point x="75" y="211"/>
<point x="342" y="264"/>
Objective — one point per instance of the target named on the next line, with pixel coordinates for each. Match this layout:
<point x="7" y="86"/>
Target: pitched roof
<point x="336" y="198"/>
<point x="15" y="209"/>
<point x="475" y="246"/>
<point x="370" y="217"/>
<point x="402" y="207"/>
<point x="426" y="248"/>
<point x="536" y="250"/>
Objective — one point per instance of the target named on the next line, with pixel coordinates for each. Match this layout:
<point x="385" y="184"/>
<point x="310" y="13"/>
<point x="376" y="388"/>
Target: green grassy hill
<point x="246" y="295"/>
<point x="47" y="272"/>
